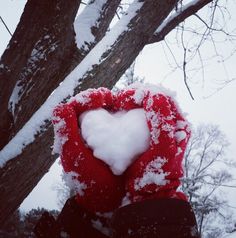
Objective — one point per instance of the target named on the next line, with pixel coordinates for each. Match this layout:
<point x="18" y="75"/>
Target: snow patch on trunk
<point x="42" y="48"/>
<point x="84" y="23"/>
<point x="14" y="99"/>
<point x="180" y="135"/>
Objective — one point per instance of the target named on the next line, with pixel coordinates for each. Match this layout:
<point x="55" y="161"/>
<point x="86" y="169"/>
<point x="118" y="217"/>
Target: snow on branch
<point x="85" y="21"/>
<point x="93" y="22"/>
<point x="66" y="89"/>
<point x="174" y="19"/>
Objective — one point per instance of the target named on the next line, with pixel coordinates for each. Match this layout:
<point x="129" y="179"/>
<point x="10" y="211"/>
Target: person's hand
<point x="157" y="172"/>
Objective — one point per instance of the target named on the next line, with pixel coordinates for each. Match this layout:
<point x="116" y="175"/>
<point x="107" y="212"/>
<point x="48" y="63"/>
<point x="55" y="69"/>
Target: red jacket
<point x="154" y="174"/>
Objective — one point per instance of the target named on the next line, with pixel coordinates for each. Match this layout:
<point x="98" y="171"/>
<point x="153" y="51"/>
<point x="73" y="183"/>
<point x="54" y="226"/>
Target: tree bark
<point x="46" y="52"/>
<point x="38" y="56"/>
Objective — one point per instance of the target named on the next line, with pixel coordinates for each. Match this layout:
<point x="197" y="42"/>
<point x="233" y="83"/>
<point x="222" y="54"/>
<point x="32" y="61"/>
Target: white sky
<point x="152" y="64"/>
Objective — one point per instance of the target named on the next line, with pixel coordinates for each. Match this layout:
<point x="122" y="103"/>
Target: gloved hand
<point x="98" y="189"/>
<point x="157" y="172"/>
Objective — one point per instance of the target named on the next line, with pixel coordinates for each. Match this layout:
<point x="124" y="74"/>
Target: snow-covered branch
<point x="175" y="18"/>
<point x="91" y="25"/>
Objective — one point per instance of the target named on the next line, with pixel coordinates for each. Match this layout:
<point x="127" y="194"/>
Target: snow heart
<point x="115" y="138"/>
<point x="146" y="120"/>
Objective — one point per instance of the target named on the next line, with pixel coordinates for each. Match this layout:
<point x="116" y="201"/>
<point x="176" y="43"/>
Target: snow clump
<point x="153" y="174"/>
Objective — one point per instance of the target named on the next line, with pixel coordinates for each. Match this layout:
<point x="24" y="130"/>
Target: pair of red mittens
<point x="154" y="174"/>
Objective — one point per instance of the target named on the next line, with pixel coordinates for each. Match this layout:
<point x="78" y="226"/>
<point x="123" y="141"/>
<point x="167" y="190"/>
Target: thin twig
<point x="6" y="26"/>
<point x="184" y="65"/>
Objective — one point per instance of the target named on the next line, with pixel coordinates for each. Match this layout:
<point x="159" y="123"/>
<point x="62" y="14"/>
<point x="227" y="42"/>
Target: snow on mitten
<point x="157" y="172"/>
<point x="98" y="189"/>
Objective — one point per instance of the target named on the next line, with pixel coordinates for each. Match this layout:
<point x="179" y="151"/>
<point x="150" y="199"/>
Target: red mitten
<point x="98" y="189"/>
<point x="157" y="172"/>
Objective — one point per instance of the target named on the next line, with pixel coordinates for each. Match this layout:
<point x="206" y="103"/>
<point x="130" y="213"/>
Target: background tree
<point x="22" y="225"/>
<point x="13" y="227"/>
<point x="207" y="169"/>
<point x="32" y="217"/>
<point x="44" y="52"/>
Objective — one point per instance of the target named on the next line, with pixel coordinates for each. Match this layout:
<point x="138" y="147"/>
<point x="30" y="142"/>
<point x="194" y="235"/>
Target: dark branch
<point x="176" y="20"/>
<point x="4" y="23"/>
<point x="185" y="64"/>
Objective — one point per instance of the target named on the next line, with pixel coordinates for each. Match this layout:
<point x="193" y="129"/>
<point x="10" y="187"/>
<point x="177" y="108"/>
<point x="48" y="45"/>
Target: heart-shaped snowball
<point x="115" y="138"/>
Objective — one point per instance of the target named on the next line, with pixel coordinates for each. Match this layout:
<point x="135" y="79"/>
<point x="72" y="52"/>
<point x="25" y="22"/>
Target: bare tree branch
<point x="4" y="23"/>
<point x="185" y="64"/>
<point x="178" y="17"/>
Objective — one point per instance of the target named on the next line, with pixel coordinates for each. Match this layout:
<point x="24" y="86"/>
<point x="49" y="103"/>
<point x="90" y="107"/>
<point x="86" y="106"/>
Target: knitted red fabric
<point x="155" y="174"/>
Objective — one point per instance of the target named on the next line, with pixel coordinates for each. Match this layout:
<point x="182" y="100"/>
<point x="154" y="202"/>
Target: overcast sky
<point x="153" y="65"/>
